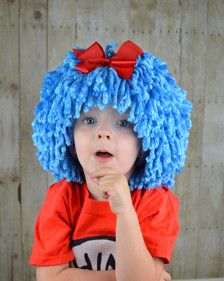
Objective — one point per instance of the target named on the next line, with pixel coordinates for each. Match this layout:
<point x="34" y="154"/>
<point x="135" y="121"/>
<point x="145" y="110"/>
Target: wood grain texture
<point x="192" y="69"/>
<point x="10" y="181"/>
<point x="33" y="64"/>
<point x="189" y="36"/>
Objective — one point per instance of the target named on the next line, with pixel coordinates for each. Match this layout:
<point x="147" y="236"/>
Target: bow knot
<point x="123" y="61"/>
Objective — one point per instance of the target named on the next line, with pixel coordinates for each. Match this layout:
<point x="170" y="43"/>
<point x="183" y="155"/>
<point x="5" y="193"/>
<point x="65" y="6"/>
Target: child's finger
<point x="106" y="195"/>
<point x="102" y="172"/>
<point x="165" y="276"/>
<point x="96" y="179"/>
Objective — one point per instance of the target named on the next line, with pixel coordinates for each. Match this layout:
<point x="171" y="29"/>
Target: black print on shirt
<point x="94" y="253"/>
<point x="109" y="265"/>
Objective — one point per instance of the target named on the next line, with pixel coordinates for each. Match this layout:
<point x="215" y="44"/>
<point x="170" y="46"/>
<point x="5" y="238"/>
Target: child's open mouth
<point x="103" y="156"/>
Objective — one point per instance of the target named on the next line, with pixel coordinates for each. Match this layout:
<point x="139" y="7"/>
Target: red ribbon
<point x="123" y="61"/>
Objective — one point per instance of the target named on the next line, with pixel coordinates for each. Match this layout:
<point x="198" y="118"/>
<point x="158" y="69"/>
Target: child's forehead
<point x="108" y="110"/>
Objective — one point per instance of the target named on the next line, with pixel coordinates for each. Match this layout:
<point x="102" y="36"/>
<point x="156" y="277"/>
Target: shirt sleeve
<point x="161" y="228"/>
<point x="52" y="231"/>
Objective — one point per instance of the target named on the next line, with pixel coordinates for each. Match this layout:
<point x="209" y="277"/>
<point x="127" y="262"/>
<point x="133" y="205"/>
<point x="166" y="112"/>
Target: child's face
<point x="105" y="130"/>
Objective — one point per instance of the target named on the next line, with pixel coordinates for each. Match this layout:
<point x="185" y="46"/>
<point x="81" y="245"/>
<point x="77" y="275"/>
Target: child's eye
<point x="125" y="123"/>
<point x="88" y="118"/>
<point x="122" y="123"/>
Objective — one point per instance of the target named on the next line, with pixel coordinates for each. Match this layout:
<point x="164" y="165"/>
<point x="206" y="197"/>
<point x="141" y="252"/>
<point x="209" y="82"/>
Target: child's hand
<point x="165" y="276"/>
<point x="116" y="186"/>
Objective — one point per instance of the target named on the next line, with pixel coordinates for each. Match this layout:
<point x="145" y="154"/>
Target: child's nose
<point x="104" y="132"/>
<point x="104" y="135"/>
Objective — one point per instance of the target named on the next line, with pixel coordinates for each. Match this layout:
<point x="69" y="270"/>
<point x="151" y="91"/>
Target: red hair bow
<point x="123" y="61"/>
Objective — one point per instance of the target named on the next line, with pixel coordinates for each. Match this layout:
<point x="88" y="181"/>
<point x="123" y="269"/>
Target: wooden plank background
<point x="189" y="35"/>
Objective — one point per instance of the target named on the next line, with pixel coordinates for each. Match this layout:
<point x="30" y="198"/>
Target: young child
<point x="113" y="130"/>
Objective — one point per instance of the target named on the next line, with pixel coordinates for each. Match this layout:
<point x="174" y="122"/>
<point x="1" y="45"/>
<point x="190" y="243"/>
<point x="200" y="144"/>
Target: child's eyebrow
<point x="125" y="115"/>
<point x="85" y="113"/>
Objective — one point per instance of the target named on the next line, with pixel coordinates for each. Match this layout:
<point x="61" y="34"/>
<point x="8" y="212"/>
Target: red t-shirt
<point x="73" y="228"/>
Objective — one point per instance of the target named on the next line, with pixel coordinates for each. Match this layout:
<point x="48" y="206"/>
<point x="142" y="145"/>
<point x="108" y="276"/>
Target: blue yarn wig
<point x="157" y="107"/>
